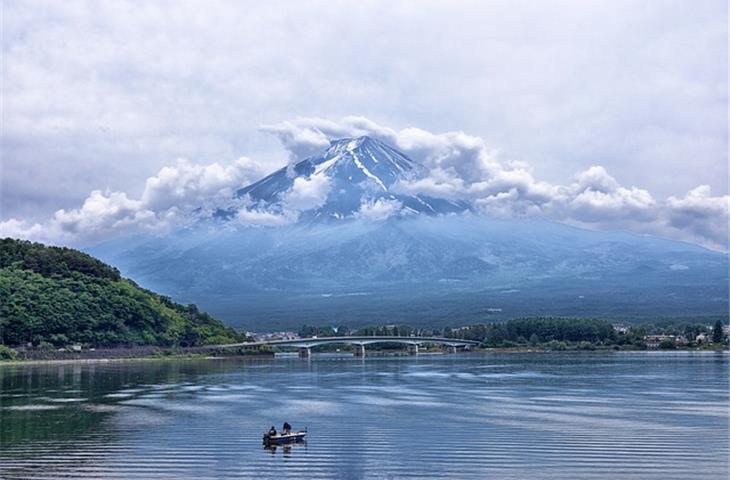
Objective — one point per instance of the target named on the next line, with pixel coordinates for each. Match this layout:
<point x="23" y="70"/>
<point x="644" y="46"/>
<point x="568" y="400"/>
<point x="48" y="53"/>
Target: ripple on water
<point x="62" y="399"/>
<point x="36" y="407"/>
<point x="509" y="417"/>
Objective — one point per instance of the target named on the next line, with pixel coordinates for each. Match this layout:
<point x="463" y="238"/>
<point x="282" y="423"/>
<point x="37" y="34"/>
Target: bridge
<point x="305" y="345"/>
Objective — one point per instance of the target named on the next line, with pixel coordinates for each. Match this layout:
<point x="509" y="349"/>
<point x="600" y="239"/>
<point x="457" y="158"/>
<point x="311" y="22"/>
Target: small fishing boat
<point x="281" y="438"/>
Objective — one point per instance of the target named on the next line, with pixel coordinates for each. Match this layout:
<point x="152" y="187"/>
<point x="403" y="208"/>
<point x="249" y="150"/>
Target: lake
<point x="574" y="415"/>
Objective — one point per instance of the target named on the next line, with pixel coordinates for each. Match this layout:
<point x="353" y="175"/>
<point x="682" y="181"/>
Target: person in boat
<point x="287" y="427"/>
<point x="272" y="431"/>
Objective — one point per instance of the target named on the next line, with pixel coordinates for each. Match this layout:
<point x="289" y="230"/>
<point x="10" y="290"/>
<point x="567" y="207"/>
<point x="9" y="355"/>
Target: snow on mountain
<point x="360" y="172"/>
<point x="415" y="266"/>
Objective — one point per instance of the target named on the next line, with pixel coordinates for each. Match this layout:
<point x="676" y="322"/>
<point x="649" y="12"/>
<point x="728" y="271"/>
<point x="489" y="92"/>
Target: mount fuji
<point x="436" y="263"/>
<point x="358" y="170"/>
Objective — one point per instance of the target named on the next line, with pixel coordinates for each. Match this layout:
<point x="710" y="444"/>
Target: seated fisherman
<point x="272" y="431"/>
<point x="287" y="427"/>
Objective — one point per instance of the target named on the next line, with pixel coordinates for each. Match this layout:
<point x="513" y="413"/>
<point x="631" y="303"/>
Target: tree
<point x="717" y="334"/>
<point x="7" y="353"/>
<point x="60" y="296"/>
<point x="534" y="340"/>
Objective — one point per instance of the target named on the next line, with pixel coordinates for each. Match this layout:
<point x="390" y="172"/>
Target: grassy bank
<point x="8" y="355"/>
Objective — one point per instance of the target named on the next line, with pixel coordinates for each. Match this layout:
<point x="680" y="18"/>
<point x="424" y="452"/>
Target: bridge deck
<point x="353" y="340"/>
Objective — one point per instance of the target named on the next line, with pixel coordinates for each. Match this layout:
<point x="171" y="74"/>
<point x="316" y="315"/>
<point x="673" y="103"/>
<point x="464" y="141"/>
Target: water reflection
<point x="26" y="390"/>
<point x="501" y="416"/>
<point x="285" y="450"/>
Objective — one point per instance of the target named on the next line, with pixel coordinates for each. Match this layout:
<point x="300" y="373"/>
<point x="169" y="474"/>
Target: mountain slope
<point x="433" y="264"/>
<point x="60" y="295"/>
<point x="426" y="271"/>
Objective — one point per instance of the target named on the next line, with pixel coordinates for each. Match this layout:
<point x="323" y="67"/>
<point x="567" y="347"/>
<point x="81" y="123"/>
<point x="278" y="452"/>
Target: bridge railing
<point x="306" y="344"/>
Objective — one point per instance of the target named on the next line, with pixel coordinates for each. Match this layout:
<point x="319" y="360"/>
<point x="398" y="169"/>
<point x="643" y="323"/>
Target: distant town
<point x="549" y="333"/>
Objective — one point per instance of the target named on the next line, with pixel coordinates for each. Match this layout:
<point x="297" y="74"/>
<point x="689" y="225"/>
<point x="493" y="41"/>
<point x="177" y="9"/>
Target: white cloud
<point x="464" y="167"/>
<point x="380" y="209"/>
<point x="171" y="198"/>
<point x="104" y="212"/>
<point x="637" y="89"/>
<point x="176" y="196"/>
<point x="458" y="166"/>
<point x="20" y="229"/>
<point x="596" y="179"/>
<point x="701" y="216"/>
<point x="300" y="142"/>
<point x="264" y="218"/>
<point x="308" y="193"/>
<point x="596" y="197"/>
<point x="188" y="184"/>
<point x="438" y="183"/>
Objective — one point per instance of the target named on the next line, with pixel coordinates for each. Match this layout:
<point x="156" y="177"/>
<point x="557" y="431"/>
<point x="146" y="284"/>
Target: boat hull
<point x="283" y="439"/>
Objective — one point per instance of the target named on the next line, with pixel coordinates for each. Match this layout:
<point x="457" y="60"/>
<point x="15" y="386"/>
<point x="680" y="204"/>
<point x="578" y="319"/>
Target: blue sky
<point x="613" y="113"/>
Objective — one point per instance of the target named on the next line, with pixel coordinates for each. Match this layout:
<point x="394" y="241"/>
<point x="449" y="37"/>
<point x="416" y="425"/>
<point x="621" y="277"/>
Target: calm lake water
<point x="583" y="416"/>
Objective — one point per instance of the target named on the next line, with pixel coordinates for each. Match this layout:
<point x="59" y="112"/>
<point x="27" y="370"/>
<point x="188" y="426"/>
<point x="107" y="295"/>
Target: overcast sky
<point x="103" y="95"/>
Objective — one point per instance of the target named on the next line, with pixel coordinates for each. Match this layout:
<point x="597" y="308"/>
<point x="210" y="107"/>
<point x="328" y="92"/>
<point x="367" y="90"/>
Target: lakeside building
<point x="270" y="336"/>
<point x="620" y="328"/>
<point x="653" y="341"/>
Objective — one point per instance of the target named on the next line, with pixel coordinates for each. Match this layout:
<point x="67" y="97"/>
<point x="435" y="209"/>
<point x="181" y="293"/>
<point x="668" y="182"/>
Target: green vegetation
<point x="540" y="331"/>
<point x="581" y="333"/>
<point x="54" y="296"/>
<point x="7" y="353"/>
<point x="717" y="334"/>
<point x="554" y="333"/>
<point x="369" y="331"/>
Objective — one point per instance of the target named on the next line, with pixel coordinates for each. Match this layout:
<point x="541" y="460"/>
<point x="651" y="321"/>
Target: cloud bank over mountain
<point x="459" y="167"/>
<point x="464" y="167"/>
<point x="177" y="195"/>
<point x="103" y="95"/>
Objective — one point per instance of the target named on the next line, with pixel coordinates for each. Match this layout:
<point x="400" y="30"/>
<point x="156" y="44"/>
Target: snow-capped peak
<point x="376" y="160"/>
<point x="358" y="170"/>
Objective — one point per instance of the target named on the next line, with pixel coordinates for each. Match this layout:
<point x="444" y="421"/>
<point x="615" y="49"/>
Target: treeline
<point x="52" y="261"/>
<point x="560" y="333"/>
<point x="511" y="332"/>
<point x="688" y="329"/>
<point x="58" y="296"/>
<point x="370" y="331"/>
<point x="538" y="330"/>
<point x="557" y="333"/>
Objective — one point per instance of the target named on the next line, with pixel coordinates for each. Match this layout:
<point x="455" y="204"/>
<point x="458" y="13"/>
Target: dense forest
<point x="561" y="333"/>
<point x="59" y="296"/>
<point x="511" y="332"/>
<point x="537" y="330"/>
<point x="556" y="333"/>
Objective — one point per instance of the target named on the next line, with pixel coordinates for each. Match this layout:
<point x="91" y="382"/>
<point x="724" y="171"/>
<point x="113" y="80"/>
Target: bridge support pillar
<point x="305" y="352"/>
<point x="451" y="349"/>
<point x="359" y="350"/>
<point x="413" y="349"/>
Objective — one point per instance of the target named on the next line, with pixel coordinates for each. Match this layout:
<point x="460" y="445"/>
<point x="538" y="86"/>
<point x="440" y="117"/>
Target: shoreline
<point x="167" y="358"/>
<point x="272" y="355"/>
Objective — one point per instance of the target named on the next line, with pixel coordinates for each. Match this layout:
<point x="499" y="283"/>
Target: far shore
<point x="267" y="355"/>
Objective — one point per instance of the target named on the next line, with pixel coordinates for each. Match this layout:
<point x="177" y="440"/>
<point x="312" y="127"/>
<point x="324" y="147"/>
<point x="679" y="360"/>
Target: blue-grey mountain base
<point x="436" y="264"/>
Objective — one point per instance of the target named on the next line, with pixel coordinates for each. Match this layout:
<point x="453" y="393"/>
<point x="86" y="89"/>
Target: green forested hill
<point x="61" y="295"/>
